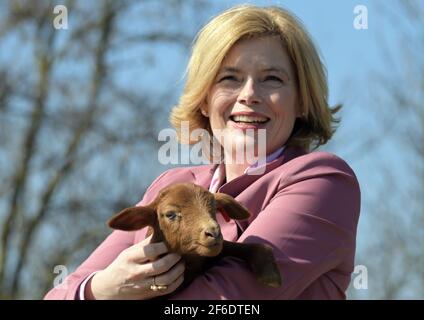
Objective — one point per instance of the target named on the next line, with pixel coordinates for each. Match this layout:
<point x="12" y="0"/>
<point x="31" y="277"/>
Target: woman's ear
<point x="204" y="108"/>
<point x="204" y="111"/>
<point x="133" y="218"/>
<point x="231" y="207"/>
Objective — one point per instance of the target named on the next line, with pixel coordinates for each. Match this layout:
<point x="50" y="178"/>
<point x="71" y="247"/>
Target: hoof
<point x="272" y="280"/>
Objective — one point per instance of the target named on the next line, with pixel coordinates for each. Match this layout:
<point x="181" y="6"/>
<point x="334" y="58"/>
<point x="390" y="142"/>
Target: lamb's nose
<point x="212" y="232"/>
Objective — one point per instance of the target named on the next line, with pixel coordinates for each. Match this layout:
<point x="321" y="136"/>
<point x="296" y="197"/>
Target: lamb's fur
<point x="183" y="215"/>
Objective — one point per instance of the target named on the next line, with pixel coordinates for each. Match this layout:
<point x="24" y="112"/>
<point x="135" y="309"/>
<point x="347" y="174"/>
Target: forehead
<point x="184" y="196"/>
<point x="261" y="52"/>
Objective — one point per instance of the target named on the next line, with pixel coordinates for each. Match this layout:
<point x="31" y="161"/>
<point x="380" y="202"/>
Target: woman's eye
<point x="228" y="78"/>
<point x="273" y="78"/>
<point x="171" y="215"/>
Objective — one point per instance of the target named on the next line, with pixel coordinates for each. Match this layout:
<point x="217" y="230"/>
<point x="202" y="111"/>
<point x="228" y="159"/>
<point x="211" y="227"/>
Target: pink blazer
<point x="306" y="206"/>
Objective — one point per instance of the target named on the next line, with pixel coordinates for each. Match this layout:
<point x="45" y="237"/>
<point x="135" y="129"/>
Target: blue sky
<point x="347" y="52"/>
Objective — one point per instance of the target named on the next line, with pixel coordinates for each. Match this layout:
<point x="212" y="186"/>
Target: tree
<point x="78" y="126"/>
<point x="395" y="210"/>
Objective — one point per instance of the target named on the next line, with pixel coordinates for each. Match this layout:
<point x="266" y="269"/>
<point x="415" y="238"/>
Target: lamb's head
<point x="185" y="215"/>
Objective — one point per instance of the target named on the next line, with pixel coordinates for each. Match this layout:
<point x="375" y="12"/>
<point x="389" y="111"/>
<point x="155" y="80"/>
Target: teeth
<point x="250" y="119"/>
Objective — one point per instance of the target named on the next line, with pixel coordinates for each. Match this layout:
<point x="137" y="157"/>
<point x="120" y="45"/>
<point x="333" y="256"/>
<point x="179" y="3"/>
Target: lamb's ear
<point x="231" y="207"/>
<point x="133" y="218"/>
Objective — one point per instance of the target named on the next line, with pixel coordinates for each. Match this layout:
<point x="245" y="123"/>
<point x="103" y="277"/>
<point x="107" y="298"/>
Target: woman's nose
<point x="249" y="93"/>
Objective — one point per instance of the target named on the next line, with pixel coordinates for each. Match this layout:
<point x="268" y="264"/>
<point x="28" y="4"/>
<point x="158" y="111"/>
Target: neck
<point x="236" y="165"/>
<point x="233" y="171"/>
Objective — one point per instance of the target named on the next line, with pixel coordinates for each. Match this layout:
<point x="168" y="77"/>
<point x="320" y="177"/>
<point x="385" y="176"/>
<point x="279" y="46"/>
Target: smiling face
<point x="255" y="88"/>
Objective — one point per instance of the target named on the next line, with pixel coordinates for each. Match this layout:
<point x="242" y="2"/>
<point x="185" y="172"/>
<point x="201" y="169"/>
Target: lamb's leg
<point x="260" y="259"/>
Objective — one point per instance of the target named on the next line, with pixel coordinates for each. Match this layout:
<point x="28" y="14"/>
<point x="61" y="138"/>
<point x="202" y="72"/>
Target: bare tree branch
<point x="76" y="118"/>
<point x="21" y="174"/>
<point x="106" y="28"/>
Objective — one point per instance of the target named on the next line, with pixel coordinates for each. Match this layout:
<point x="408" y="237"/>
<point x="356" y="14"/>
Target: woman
<point x="251" y="68"/>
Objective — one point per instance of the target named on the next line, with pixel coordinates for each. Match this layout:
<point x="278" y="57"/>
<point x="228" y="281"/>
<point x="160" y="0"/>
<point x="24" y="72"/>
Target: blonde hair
<point x="215" y="40"/>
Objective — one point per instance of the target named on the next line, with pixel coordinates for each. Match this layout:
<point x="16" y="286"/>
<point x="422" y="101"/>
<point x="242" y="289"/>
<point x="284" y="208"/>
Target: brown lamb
<point x="183" y="216"/>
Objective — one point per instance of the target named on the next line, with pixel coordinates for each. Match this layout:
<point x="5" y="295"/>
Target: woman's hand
<point x="132" y="273"/>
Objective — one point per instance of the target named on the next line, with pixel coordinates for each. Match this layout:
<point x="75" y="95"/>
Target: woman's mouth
<point x="248" y="122"/>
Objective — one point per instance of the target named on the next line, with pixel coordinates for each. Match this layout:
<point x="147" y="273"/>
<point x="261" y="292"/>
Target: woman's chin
<point x="239" y="138"/>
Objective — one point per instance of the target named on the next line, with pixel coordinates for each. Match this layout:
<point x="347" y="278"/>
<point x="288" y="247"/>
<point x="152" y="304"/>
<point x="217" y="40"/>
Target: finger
<point x="145" y="252"/>
<point x="172" y="287"/>
<point x="142" y="287"/>
<point x="147" y="239"/>
<point x="173" y="274"/>
<point x="159" y="266"/>
<point x="134" y="249"/>
<point x="153" y="250"/>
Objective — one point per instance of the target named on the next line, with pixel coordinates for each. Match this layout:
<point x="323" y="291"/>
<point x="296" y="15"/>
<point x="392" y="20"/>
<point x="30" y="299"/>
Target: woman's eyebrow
<point x="279" y="69"/>
<point x="229" y="69"/>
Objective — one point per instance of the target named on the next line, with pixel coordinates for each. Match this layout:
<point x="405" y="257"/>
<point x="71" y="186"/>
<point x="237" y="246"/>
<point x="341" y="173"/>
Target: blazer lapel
<point x="239" y="184"/>
<point x="203" y="177"/>
<point x="235" y="187"/>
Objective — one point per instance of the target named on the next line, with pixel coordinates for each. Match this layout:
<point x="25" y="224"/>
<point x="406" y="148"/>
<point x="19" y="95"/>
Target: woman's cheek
<point x="222" y="107"/>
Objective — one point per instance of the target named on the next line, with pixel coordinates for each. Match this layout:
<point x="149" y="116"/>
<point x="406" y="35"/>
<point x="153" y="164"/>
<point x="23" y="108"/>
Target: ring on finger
<point x="157" y="287"/>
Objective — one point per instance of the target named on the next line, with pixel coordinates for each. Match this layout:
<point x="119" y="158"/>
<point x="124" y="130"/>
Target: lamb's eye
<point x="171" y="215"/>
